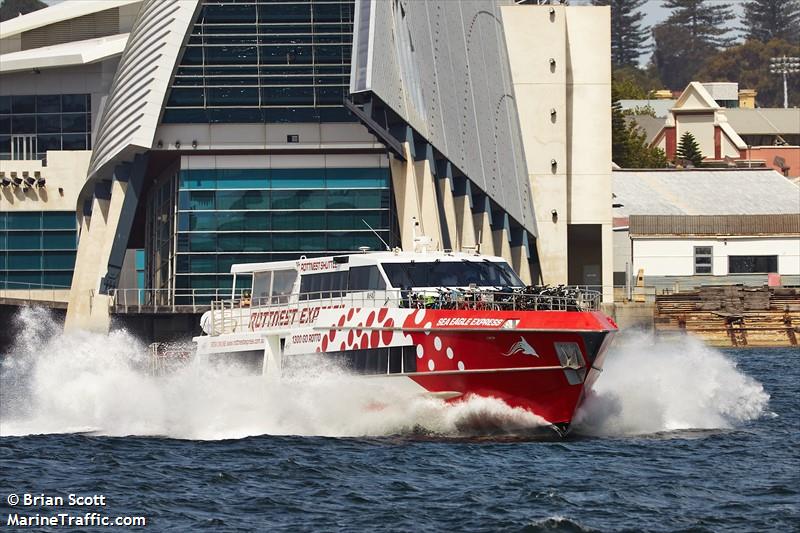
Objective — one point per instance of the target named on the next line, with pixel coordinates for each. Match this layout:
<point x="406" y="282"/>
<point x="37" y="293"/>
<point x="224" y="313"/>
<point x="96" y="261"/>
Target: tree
<point x="641" y="154"/>
<point x="675" y="57"/>
<point x="748" y="64"/>
<point x="765" y="20"/>
<point x="619" y="131"/>
<point x="628" y="37"/>
<point x="703" y="19"/>
<point x="694" y="31"/>
<point x="13" y="8"/>
<point x="629" y="148"/>
<point x="689" y="150"/>
<point x="634" y="83"/>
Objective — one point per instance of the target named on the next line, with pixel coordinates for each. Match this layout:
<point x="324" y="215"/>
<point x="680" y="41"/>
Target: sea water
<point x="675" y="436"/>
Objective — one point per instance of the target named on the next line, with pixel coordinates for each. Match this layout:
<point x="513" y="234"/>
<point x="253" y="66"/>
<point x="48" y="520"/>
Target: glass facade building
<point x="37" y="249"/>
<point x="31" y="125"/>
<point x="265" y="61"/>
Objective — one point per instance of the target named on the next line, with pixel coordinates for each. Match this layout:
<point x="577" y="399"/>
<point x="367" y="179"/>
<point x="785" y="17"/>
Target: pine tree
<point x="627" y="34"/>
<point x="765" y="20"/>
<point x="689" y="150"/>
<point x="629" y="148"/>
<point x="704" y="20"/>
<point x="694" y="31"/>
<point x="674" y="59"/>
<point x="619" y="131"/>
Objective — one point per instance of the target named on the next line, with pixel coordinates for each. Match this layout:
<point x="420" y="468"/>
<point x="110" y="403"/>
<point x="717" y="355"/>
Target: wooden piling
<point x="733" y="315"/>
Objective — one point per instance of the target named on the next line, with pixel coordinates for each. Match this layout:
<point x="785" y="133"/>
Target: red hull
<point x="522" y="366"/>
<point x="542" y="361"/>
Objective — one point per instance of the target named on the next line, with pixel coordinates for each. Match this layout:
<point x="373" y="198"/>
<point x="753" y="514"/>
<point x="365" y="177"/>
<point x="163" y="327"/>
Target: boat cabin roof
<point x="338" y="262"/>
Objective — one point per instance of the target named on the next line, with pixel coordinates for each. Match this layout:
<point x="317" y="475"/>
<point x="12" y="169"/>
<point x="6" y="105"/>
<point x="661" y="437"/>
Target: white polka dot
<point x="420" y="351"/>
<point x="461" y="365"/>
<point x="437" y="343"/>
<point x="427" y="327"/>
<point x="431" y="365"/>
<point x="419" y="316"/>
<point x="449" y="352"/>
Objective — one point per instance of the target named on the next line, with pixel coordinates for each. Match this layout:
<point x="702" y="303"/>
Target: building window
<point x="752" y="264"/>
<point x="32" y="125"/>
<point x="703" y="259"/>
<point x="37" y="249"/>
<point x="229" y="215"/>
<point x="265" y="61"/>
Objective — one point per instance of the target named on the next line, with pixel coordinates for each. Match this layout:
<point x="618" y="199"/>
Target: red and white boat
<point x="448" y="324"/>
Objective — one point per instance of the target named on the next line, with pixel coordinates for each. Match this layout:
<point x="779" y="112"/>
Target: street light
<point x="784" y="65"/>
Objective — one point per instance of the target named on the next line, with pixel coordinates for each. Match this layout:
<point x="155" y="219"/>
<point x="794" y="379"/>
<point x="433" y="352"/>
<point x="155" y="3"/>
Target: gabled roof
<point x="63" y="55"/>
<point x="651" y="126"/>
<point x="731" y="134"/>
<point x="704" y="192"/>
<point x="765" y="121"/>
<point x="660" y="107"/>
<point x="57" y="13"/>
<point x="695" y="97"/>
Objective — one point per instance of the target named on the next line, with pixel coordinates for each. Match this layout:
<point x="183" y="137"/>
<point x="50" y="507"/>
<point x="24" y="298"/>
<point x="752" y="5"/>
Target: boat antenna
<point x="377" y="235"/>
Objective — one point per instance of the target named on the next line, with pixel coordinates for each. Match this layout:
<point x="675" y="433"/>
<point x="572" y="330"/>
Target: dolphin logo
<point x="521" y="347"/>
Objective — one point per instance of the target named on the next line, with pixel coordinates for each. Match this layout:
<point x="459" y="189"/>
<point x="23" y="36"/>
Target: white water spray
<point x="94" y="383"/>
<point x="650" y="386"/>
<point x="86" y="382"/>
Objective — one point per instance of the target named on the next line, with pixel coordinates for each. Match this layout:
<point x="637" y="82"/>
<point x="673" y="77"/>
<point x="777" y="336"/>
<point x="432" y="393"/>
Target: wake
<point x="52" y="382"/>
<point x="86" y="382"/>
<point x="652" y="387"/>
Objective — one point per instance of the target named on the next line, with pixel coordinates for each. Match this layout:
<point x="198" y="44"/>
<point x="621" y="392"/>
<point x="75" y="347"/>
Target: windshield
<point x="451" y="274"/>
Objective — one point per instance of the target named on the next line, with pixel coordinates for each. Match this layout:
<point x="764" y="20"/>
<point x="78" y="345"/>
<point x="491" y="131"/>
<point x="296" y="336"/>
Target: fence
<point x="167" y="300"/>
<point x="231" y="315"/>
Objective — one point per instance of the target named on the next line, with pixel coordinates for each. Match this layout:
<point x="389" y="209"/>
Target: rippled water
<point x="677" y="437"/>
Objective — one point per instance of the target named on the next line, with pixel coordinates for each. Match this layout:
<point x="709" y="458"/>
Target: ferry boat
<point x="448" y="324"/>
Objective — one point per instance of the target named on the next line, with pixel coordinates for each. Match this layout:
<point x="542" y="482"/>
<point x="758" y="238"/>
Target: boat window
<point x="391" y="360"/>
<point x="282" y="285"/>
<point x="451" y="274"/>
<point x="366" y="278"/>
<point x="395" y="359"/>
<point x="323" y="285"/>
<point x="409" y="358"/>
<point x="261" y="283"/>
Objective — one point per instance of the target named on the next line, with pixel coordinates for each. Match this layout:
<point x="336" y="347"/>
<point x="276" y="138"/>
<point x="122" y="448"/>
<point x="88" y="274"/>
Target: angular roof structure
<point x="57" y="13"/>
<point x="66" y="54"/>
<point x="765" y="121"/>
<point x="704" y="192"/>
<point x="140" y="85"/>
<point x="424" y="77"/>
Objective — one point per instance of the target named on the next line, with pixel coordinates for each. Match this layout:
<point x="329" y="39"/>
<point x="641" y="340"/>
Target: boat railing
<point x="233" y="315"/>
<point x="139" y="300"/>
<point x="226" y="316"/>
<point x="166" y="357"/>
